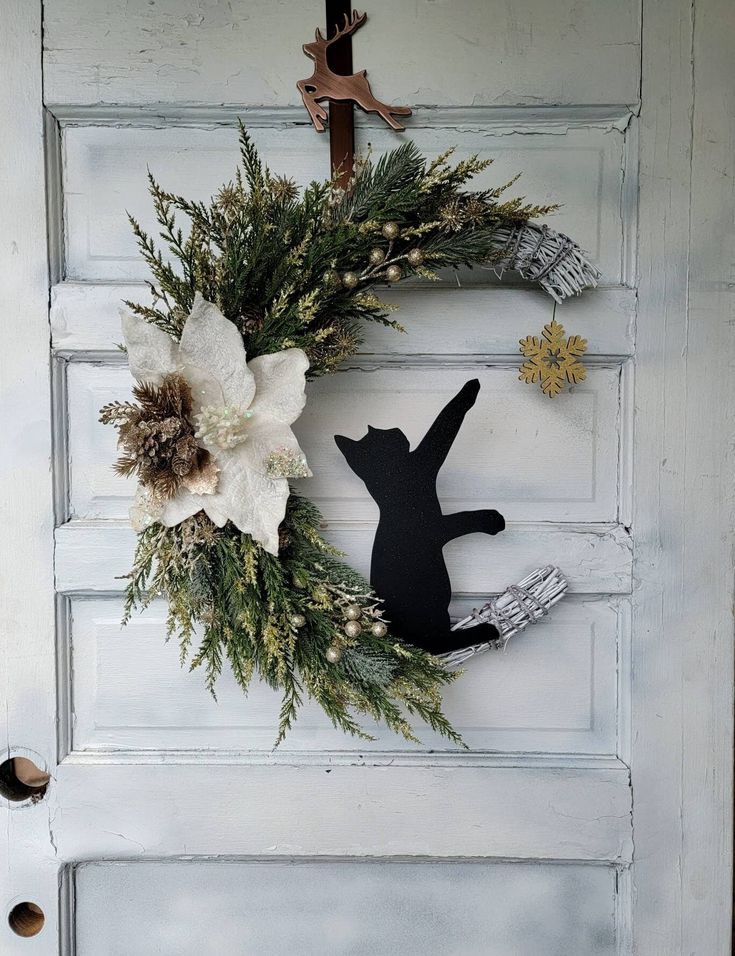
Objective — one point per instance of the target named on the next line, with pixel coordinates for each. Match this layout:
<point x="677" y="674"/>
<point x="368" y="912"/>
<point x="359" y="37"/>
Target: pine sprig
<point x="301" y="270"/>
<point x="274" y="261"/>
<point x="243" y="615"/>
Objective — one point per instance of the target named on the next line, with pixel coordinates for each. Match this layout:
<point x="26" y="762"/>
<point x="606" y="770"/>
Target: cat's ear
<point x="348" y="446"/>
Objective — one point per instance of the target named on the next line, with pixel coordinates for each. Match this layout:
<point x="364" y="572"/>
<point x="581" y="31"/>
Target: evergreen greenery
<point x="300" y="271"/>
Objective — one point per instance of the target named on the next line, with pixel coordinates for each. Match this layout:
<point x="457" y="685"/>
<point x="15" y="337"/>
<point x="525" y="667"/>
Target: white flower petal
<point x="263" y="439"/>
<point x="215" y="509"/>
<point x="253" y="502"/>
<point x="145" y="510"/>
<point x="280" y="385"/>
<point x="183" y="506"/>
<point x="152" y="353"/>
<point x="213" y="356"/>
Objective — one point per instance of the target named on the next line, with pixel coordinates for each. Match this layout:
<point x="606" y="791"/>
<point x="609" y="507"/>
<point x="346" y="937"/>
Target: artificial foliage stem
<point x="261" y="256"/>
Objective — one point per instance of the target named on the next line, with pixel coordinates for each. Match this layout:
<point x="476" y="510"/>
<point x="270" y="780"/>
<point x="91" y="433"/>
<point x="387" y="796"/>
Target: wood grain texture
<point x="91" y="556"/>
<point x="710" y="467"/>
<point x="211" y="51"/>
<point x="683" y="509"/>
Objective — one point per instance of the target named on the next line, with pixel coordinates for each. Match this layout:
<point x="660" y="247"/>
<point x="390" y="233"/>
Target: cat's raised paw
<point x="470" y="391"/>
<point x="491" y="522"/>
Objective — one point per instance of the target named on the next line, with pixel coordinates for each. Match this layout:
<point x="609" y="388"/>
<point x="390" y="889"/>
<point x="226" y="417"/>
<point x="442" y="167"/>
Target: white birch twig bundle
<point x="542" y="255"/>
<point x="517" y="607"/>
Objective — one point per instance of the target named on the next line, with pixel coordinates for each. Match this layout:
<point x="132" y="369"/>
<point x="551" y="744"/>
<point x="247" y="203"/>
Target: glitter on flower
<point x="222" y="425"/>
<point x="286" y="463"/>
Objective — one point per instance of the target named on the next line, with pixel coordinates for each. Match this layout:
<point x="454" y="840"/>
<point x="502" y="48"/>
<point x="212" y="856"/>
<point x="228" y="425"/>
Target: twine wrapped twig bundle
<point x="517" y="607"/>
<point x="550" y="258"/>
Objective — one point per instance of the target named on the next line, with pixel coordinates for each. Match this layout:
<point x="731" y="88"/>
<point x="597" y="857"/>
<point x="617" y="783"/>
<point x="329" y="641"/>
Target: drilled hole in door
<point x="21" y="779"/>
<point x="26" y="919"/>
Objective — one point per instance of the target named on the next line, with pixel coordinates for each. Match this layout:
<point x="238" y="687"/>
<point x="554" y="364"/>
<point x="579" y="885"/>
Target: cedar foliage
<point x="273" y="261"/>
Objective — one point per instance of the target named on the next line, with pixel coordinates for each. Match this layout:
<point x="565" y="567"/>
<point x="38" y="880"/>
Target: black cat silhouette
<point x="408" y="571"/>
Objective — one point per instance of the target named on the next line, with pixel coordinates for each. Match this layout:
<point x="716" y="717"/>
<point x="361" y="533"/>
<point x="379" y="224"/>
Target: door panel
<point x="247" y="51"/>
<point x="494" y="463"/>
<point x="479" y="909"/>
<point x="574" y="158"/>
<point x="545" y="721"/>
<point x="554" y="692"/>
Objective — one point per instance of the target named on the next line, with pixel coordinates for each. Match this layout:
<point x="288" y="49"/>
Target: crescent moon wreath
<point x="267" y="289"/>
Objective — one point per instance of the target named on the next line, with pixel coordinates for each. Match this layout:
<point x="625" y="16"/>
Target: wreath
<point x="267" y="289"/>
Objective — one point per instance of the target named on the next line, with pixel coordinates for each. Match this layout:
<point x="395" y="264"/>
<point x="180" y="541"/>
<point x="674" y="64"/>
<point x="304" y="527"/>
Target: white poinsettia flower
<point x="242" y="411"/>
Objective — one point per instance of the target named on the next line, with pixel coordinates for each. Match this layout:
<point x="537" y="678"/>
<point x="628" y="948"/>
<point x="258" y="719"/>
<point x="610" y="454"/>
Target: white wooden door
<point x="591" y="814"/>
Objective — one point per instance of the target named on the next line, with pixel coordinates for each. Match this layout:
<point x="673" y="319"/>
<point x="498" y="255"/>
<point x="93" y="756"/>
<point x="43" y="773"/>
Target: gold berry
<point x="391" y="230"/>
<point x="415" y="257"/>
<point x="350" y="280"/>
<point x="393" y="273"/>
<point x="333" y="654"/>
<point x="353" y="612"/>
<point x="379" y="629"/>
<point x="376" y="256"/>
<point x="298" y="620"/>
<point x="353" y="629"/>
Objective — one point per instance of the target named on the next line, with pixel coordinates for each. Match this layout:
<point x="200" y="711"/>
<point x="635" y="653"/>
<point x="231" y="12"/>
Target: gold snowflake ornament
<point x="552" y="359"/>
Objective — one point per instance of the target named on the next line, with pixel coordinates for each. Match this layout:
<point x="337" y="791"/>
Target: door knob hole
<point x="21" y="779"/>
<point x="26" y="919"/>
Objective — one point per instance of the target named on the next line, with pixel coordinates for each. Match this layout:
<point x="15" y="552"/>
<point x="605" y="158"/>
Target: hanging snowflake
<point x="553" y="360"/>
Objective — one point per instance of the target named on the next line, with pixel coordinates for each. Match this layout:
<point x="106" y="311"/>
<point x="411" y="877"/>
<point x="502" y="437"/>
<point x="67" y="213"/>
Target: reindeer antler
<point x="350" y="26"/>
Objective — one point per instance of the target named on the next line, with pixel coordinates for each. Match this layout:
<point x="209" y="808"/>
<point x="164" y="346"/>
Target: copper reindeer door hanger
<point x="334" y="82"/>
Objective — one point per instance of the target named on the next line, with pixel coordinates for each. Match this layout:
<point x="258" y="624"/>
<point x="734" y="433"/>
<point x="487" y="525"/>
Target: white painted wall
<point x="596" y="794"/>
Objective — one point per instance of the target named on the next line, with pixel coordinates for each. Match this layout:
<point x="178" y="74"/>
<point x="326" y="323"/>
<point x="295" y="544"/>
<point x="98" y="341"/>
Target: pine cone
<point x="157" y="436"/>
<point x="185" y="455"/>
<point x="284" y="539"/>
<point x="250" y="319"/>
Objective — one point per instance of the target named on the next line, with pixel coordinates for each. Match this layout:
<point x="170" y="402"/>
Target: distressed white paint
<point x="494" y="462"/>
<point x="248" y="51"/>
<point x="162" y="807"/>
<point x="444" y="321"/>
<point x="483" y="909"/>
<point x="27" y="661"/>
<point x="132" y="786"/>
<point x="684" y="508"/>
<point x="105" y="176"/>
<point x="553" y="690"/>
<point x="92" y="556"/>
